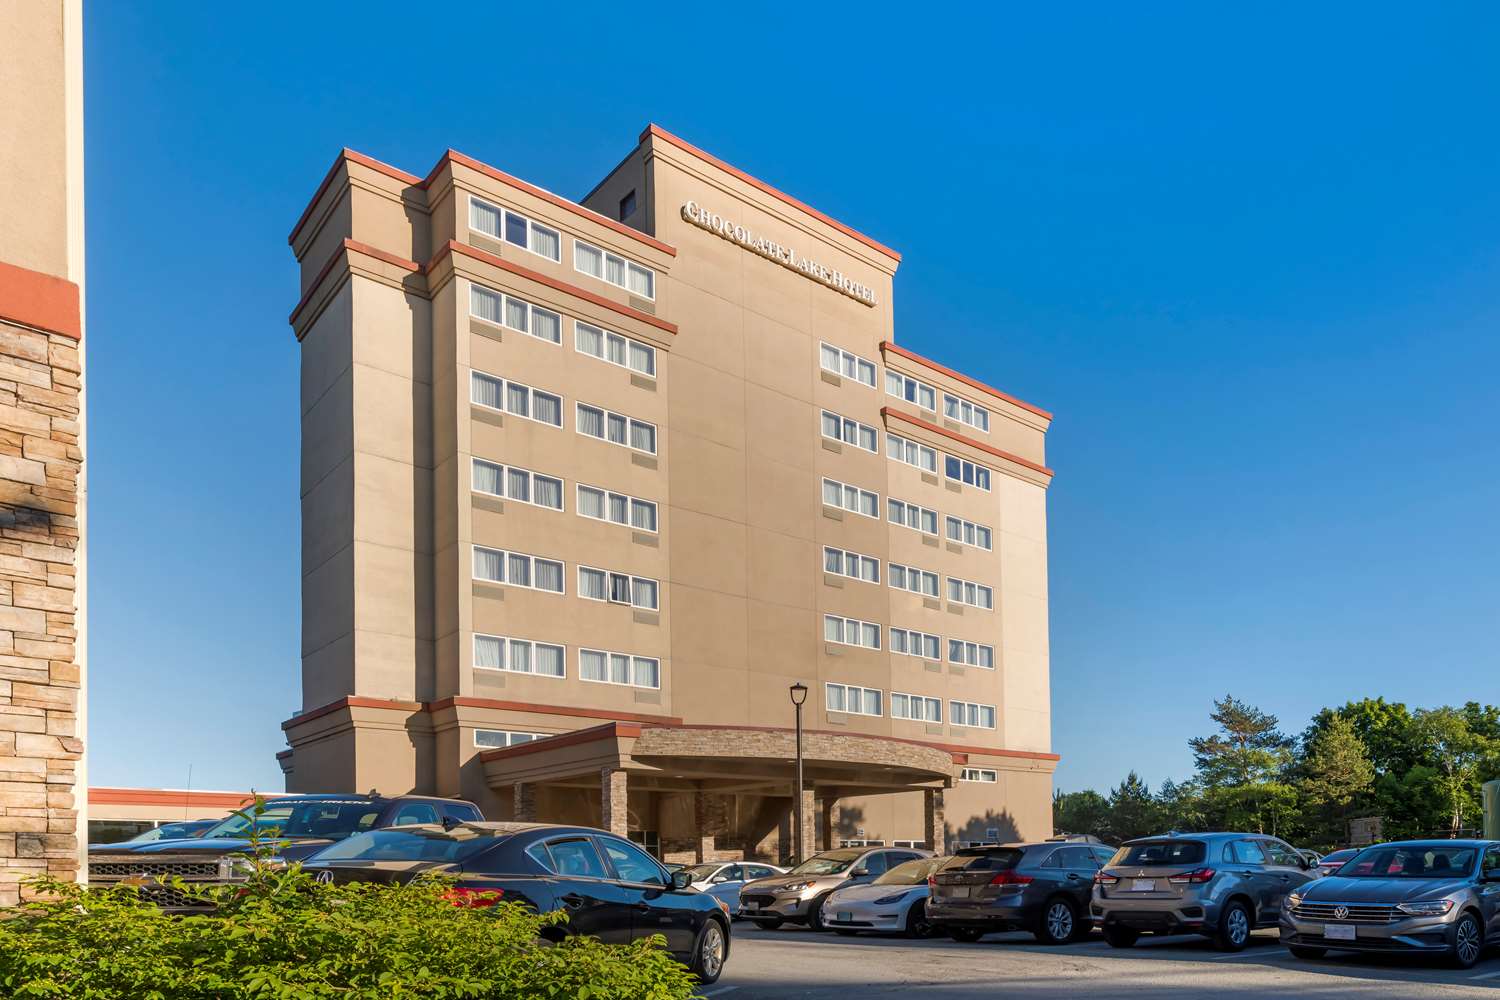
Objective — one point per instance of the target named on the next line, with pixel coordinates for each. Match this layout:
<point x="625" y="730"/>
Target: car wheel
<point x="1121" y="937"/>
<point x="968" y="935"/>
<point x="1234" y="927"/>
<point x="1059" y="923"/>
<point x="1304" y="951"/>
<point x="710" y="952"/>
<point x="1468" y="942"/>
<point x="916" y="925"/>
<point x="815" y="914"/>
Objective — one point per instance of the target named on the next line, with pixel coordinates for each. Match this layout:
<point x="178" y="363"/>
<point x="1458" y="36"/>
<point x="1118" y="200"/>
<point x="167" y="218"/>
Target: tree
<point x="1336" y="768"/>
<point x="1240" y="767"/>
<point x="1456" y="753"/>
<point x="1385" y="728"/>
<point x="1080" y="812"/>
<point x="1132" y="811"/>
<point x="1182" y="805"/>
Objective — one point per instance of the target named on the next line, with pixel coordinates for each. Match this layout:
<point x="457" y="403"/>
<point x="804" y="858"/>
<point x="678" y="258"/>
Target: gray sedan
<point x="896" y="902"/>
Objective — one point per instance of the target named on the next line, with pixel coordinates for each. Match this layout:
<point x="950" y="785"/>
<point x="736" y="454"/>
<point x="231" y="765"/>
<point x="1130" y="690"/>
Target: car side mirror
<point x="859" y="873"/>
<point x="682" y="879"/>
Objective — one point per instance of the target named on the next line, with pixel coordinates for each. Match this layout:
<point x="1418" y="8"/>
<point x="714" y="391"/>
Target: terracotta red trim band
<point x="952" y="748"/>
<point x="353" y="701"/>
<point x="453" y="246"/>
<point x="886" y="345"/>
<point x="167" y="797"/>
<point x="760" y="185"/>
<point x="608" y="731"/>
<point x="333" y="259"/>
<point x="572" y="711"/>
<point x="347" y="154"/>
<point x="39" y="300"/>
<point x="887" y="412"/>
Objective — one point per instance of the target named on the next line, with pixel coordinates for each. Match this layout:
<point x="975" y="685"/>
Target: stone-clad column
<point x="615" y="800"/>
<point x="827" y="805"/>
<point x="935" y="831"/>
<point x="525" y="802"/>
<point x="809" y="825"/>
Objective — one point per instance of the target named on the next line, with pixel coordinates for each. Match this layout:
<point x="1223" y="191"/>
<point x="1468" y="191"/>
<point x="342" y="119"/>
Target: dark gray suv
<point x="1042" y="888"/>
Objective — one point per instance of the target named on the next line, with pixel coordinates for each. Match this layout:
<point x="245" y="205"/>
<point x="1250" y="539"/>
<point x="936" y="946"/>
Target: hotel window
<point x="853" y="700"/>
<point x="966" y="412"/>
<point x="961" y="470"/>
<point x="841" y="362"/>
<point x="514" y="228"/>
<point x="911" y="643"/>
<point x="850" y="432"/>
<point x="851" y="564"/>
<point x="516" y="569"/>
<point x="916" y="708"/>
<point x="604" y="505"/>
<point x="611" y="347"/>
<point x="981" y="774"/>
<point x="627" y="205"/>
<point x="971" y="654"/>
<point x="909" y="389"/>
<point x="518" y="484"/>
<point x="910" y="452"/>
<point x="518" y="314"/>
<point x="969" y="533"/>
<point x="966" y="713"/>
<point x="851" y="498"/>
<point x="512" y="397"/>
<point x="518" y="656"/>
<point x="912" y="516"/>
<point x="618" y="588"/>
<point x="851" y="632"/>
<point x="976" y="595"/>
<point x="605" y="667"/>
<point x="616" y="270"/>
<point x="616" y="428"/>
<point x="918" y="581"/>
<point x="494" y="739"/>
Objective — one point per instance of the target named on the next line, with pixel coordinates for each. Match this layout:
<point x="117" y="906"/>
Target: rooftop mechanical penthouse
<point x="587" y="486"/>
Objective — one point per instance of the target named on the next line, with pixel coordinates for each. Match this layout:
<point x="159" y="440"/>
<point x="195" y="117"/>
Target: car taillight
<point x="473" y="898"/>
<point x="1197" y="877"/>
<point x="1010" y="878"/>
<point x="931" y="882"/>
<point x="1102" y="877"/>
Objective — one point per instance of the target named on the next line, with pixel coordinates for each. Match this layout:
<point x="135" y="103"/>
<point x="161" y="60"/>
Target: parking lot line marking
<point x="1487" y="975"/>
<point x="718" y="991"/>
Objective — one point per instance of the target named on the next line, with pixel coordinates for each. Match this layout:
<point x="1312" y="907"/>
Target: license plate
<point x="1339" y="932"/>
<point x="957" y="891"/>
<point x="845" y="917"/>
<point x="1143" y="885"/>
<point x="749" y="906"/>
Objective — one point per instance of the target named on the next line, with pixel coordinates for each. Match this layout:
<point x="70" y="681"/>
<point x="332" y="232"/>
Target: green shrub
<point x="282" y="936"/>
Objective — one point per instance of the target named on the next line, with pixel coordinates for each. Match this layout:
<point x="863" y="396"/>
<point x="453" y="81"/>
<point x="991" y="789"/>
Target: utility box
<point x="1492" y="810"/>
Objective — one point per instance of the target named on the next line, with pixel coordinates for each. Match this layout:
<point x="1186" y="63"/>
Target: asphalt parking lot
<point x="793" y="962"/>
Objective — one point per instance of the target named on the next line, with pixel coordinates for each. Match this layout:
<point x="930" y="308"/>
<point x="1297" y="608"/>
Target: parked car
<point x="609" y="887"/>
<point x="1043" y="888"/>
<point x="724" y="879"/>
<point x="896" y="902"/>
<point x="1333" y="861"/>
<point x="798" y="896"/>
<point x="166" y="831"/>
<point x="301" y="825"/>
<point x="1219" y="885"/>
<point x="1432" y="896"/>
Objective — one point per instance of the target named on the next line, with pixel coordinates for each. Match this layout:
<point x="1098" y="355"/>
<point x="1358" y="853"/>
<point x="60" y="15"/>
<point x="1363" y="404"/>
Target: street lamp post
<point x="798" y="692"/>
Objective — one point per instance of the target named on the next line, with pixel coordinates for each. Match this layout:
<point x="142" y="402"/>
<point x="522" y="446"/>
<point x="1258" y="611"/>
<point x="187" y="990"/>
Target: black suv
<point x="300" y="825"/>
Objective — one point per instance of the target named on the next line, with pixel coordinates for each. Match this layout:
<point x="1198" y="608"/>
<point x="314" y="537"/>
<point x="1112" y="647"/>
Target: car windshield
<point x="412" y="843"/>
<point x="322" y="819"/>
<point x="169" y="831"/>
<point x="826" y="864"/>
<point x="701" y="872"/>
<point x="1161" y="852"/>
<point x="272" y="817"/>
<point x="912" y="872"/>
<point x="1338" y="857"/>
<point x="1410" y="861"/>
<point x="989" y="859"/>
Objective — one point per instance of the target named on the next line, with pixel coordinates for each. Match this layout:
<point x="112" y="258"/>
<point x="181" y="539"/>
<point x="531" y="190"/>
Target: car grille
<point x="169" y="898"/>
<point x="1354" y="913"/>
<point x="113" y="870"/>
<point x="758" y="898"/>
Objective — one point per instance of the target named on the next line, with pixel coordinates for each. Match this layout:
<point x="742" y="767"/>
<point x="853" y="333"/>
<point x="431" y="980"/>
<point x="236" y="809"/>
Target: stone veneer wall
<point x="40" y="379"/>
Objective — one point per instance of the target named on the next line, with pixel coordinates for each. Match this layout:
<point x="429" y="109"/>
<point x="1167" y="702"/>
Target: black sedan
<point x="609" y="887"/>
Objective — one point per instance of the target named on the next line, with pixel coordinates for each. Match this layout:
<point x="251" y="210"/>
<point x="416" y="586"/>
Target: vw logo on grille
<point x="325" y="877"/>
<point x="1341" y="912"/>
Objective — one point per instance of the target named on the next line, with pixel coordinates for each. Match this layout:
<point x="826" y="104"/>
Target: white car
<point x="895" y="903"/>
<point x="724" y="879"/>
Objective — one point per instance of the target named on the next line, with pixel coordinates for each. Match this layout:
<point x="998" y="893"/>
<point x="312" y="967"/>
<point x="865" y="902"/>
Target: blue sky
<point x="1250" y="260"/>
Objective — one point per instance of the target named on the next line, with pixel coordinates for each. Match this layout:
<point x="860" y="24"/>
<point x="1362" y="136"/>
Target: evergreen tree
<point x="1241" y="768"/>
<point x="1336" y="769"/>
<point x="1080" y="812"/>
<point x="1132" y="810"/>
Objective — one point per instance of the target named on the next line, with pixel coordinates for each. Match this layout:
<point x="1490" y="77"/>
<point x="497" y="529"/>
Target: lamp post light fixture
<point x="798" y="691"/>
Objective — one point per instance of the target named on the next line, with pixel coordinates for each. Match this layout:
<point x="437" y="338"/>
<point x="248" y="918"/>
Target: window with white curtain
<point x="496" y="480"/>
<point x="850" y="432"/>
<point x="907" y="388"/>
<point x="853" y="700"/>
<point x="911" y="453"/>
<point x="518" y="314"/>
<point x="519" y="656"/>
<point x="495" y="739"/>
<point x="851" y="498"/>
<point x="517" y="569"/>
<point x="613" y="348"/>
<point x="980" y="774"/>
<point x="963" y="471"/>
<point x="971" y="654"/>
<point x="912" y="516"/>
<point x="851" y="564"/>
<point x="618" y="588"/>
<point x="851" y="632"/>
<point x="616" y="428"/>
<point x="918" y="581"/>
<point x="916" y="708"/>
<point x="908" y="642"/>
<point x="606" y="266"/>
<point x="618" y="508"/>
<point x="966" y="412"/>
<point x="605" y="667"/>
<point x="841" y="362"/>
<point x="967" y="713"/>
<point x="515" y="228"/>
<point x="496" y="393"/>
<point x="976" y="595"/>
<point x="968" y="533"/>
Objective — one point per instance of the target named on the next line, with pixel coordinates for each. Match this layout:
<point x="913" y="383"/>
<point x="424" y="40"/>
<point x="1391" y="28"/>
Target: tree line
<point x="1419" y="770"/>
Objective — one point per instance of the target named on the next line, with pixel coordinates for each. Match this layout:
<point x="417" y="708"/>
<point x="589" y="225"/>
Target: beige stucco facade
<point x="763" y="320"/>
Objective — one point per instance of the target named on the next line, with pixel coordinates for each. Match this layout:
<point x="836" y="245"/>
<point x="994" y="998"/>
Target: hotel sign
<point x="776" y="253"/>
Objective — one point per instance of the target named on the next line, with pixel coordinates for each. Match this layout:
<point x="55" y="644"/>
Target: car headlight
<point x="798" y="886"/>
<point x="1434" y="908"/>
<point x="896" y="898"/>
<point x="1294" y="899"/>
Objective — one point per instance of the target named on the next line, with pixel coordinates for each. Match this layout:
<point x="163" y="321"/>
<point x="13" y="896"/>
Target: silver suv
<point x="1220" y="885"/>
<point x="1438" y="896"/>
<point x="797" y="896"/>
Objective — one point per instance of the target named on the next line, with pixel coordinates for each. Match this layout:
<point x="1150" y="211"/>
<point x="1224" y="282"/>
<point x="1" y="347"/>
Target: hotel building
<point x="588" y="486"/>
